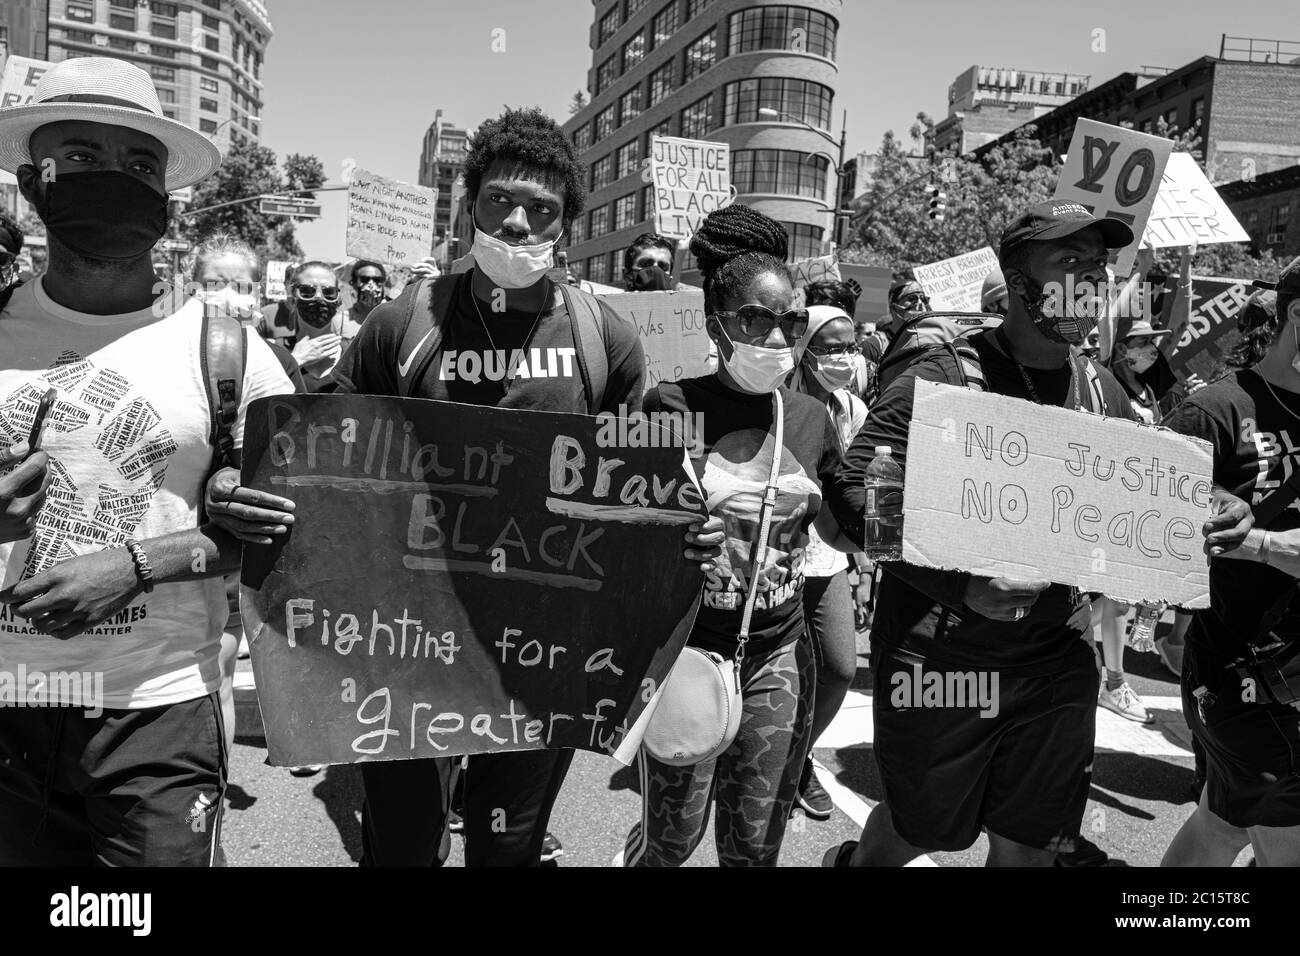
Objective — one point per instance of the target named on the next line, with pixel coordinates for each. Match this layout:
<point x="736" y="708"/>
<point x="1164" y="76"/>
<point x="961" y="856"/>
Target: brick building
<point x="1268" y="207"/>
<point x="984" y="102"/>
<point x="702" y="69"/>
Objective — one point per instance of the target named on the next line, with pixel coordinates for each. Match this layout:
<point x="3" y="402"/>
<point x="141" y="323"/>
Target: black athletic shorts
<point x="1252" y="752"/>
<point x="1023" y="771"/>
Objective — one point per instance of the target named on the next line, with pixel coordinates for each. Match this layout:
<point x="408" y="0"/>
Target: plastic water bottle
<point x="882" y="517"/>
<point x="1142" y="636"/>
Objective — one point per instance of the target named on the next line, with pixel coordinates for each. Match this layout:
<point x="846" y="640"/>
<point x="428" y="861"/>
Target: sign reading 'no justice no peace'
<point x="1006" y="488"/>
<point x="462" y="580"/>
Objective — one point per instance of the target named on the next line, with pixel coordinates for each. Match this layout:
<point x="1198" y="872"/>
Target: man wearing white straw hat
<point x="112" y="746"/>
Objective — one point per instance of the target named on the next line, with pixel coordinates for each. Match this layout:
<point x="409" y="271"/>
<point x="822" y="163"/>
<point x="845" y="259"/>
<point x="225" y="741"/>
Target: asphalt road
<point x="1140" y="795"/>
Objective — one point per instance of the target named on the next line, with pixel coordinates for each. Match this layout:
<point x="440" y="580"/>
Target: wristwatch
<point x="143" y="570"/>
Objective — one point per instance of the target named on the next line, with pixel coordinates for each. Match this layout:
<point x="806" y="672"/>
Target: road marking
<point x="853" y="806"/>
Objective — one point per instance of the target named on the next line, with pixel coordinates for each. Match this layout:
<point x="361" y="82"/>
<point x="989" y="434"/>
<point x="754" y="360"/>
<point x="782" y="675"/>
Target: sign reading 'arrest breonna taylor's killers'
<point x="1003" y="487"/>
<point x="462" y="580"/>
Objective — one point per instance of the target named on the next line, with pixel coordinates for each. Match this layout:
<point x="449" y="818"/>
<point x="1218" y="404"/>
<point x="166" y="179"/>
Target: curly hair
<point x="1258" y="324"/>
<point x="647" y="240"/>
<point x="831" y="292"/>
<point x="535" y="141"/>
<point x="368" y="264"/>
<point x="733" y="246"/>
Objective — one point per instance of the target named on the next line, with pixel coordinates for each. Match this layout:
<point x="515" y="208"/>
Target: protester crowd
<point x="802" y="386"/>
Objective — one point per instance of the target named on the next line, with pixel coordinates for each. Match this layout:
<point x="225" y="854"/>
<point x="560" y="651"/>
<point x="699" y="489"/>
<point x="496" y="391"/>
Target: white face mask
<point x="511" y="267"/>
<point x="833" y="371"/>
<point x="756" y="369"/>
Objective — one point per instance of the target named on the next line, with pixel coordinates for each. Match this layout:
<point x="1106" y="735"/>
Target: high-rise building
<point x="205" y="56"/>
<point x="986" y="101"/>
<point x="22" y="29"/>
<point x="441" y="160"/>
<point x="1241" y="104"/>
<point x="707" y="69"/>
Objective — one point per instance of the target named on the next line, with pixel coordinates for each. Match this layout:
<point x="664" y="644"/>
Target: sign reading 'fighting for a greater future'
<point x="462" y="579"/>
<point x="1006" y="488"/>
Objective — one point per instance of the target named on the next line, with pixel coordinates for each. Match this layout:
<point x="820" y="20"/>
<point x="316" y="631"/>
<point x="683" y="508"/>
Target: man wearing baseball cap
<point x="993" y="294"/>
<point x="1019" y="768"/>
<point x="105" y="573"/>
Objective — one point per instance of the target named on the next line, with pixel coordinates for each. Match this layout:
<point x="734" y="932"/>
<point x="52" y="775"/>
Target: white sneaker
<point x="1123" y="701"/>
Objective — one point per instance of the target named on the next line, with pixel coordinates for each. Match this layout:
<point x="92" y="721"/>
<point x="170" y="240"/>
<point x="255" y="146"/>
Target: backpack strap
<point x="1278" y="501"/>
<point x="223" y="360"/>
<point x="428" y="307"/>
<point x="588" y="323"/>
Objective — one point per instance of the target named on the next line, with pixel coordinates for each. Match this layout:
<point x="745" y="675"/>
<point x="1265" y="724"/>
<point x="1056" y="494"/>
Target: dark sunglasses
<point x="826" y="350"/>
<point x="367" y="280"/>
<point x="912" y="299"/>
<point x="328" y="293"/>
<point x="759" y="320"/>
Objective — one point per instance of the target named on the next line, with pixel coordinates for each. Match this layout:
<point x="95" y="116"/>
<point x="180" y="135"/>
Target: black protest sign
<point x="462" y="579"/>
<point x="1215" y="305"/>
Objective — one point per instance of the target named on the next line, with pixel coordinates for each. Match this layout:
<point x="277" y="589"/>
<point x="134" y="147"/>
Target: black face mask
<point x="104" y="215"/>
<point x="1051" y="317"/>
<point x="316" y="312"/>
<point x="651" y="279"/>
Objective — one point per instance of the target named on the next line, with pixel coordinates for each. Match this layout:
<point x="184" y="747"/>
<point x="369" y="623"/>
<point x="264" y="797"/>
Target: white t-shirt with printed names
<point x="129" y="458"/>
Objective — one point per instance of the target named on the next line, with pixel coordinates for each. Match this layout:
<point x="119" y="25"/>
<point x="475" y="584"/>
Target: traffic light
<point x="938" y="203"/>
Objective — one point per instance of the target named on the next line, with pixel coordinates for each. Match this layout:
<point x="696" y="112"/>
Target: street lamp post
<point x="769" y="113"/>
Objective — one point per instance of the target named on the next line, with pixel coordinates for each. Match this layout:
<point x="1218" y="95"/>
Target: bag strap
<point x="1278" y="501"/>
<point x="588" y="322"/>
<point x="764" y="526"/>
<point x="428" y="309"/>
<point x="223" y="360"/>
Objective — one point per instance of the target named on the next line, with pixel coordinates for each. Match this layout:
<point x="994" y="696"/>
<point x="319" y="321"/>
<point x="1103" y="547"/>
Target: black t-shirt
<point x="480" y="347"/>
<point x="733" y="464"/>
<point x="1255" y="440"/>
<point x="922" y="609"/>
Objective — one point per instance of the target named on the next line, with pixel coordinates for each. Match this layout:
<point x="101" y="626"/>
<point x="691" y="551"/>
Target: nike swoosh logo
<point x="404" y="367"/>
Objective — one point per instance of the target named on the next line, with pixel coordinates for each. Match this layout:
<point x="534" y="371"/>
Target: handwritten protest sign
<point x="691" y="178"/>
<point x="1188" y="210"/>
<point x="1003" y="487"/>
<point x="389" y="220"/>
<point x="814" y="269"/>
<point x="1215" y="305"/>
<point x="21" y="75"/>
<point x="954" y="285"/>
<point x="462" y="579"/>
<point x="275" y="279"/>
<point x="1115" y="172"/>
<point x="671" y="326"/>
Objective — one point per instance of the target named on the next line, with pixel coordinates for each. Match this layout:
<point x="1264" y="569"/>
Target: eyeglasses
<point x="912" y="300"/>
<point x="758" y="320"/>
<point x="824" y="351"/>
<point x="328" y="293"/>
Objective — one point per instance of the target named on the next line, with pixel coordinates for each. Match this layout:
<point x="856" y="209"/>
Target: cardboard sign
<point x="462" y="579"/>
<point x="691" y="178"/>
<point x="1215" y="305"/>
<point x="389" y="221"/>
<point x="1006" y="488"/>
<point x="1115" y="172"/>
<point x="20" y="78"/>
<point x="1188" y="210"/>
<point x="275" y="288"/>
<point x="814" y="269"/>
<point x="671" y="325"/>
<point x="954" y="285"/>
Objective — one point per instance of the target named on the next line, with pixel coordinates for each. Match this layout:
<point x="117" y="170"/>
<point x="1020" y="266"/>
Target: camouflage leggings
<point x="753" y="782"/>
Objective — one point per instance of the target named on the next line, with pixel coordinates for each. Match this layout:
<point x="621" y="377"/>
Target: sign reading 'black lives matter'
<point x="462" y="580"/>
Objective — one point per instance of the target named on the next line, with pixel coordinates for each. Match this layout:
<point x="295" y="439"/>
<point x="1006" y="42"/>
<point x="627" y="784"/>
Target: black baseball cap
<point x="1056" y="219"/>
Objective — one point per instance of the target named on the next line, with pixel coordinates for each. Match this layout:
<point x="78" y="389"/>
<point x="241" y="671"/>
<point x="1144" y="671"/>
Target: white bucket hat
<point x="98" y="89"/>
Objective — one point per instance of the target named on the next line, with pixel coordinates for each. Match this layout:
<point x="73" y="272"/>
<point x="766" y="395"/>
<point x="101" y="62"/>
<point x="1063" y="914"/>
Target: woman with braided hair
<point x="747" y="304"/>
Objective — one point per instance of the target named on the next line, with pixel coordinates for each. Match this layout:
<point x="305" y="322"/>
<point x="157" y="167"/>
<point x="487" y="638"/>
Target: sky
<point x="362" y="81"/>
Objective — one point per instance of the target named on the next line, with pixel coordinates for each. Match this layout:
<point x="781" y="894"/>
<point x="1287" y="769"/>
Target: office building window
<point x="602" y="172"/>
<point x="633" y="51"/>
<point x="163" y="52"/>
<point x="629" y="105"/>
<point x="701" y="55"/>
<point x="165" y="31"/>
<point x="599" y="222"/>
<point x="696" y="7"/>
<point x="212" y="43"/>
<point x="208" y="104"/>
<point x="604" y="123"/>
<point x="634" y="7"/>
<point x="661" y="82"/>
<point x="209" y="64"/>
<point x="578" y="230"/>
<point x="783" y="28"/>
<point x="582" y="138"/>
<point x="665" y="23"/>
<point x="166" y="95"/>
<point x="77" y="12"/>
<point x="121" y="43"/>
<point x="165" y="74"/>
<point x="781" y="171"/>
<point x="209" y="84"/>
<point x="207" y="126"/>
<point x="627" y="158"/>
<point x="697" y="119"/>
<point x="121" y="21"/>
<point x="648" y="202"/>
<point x="1198" y="112"/>
<point x="804" y="100"/>
<point x="805" y="241"/>
<point x="214" y="4"/>
<point x="123" y="4"/>
<point x="662" y="129"/>
<point x="161" y="9"/>
<point x="598" y="268"/>
<point x="609" y="25"/>
<point x="606" y="74"/>
<point x="78" y="36"/>
<point x="625" y="211"/>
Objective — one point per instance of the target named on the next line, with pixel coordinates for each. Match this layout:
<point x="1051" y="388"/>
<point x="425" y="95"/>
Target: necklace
<point x="1273" y="393"/>
<point x="1029" y="383"/>
<point x="509" y="378"/>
